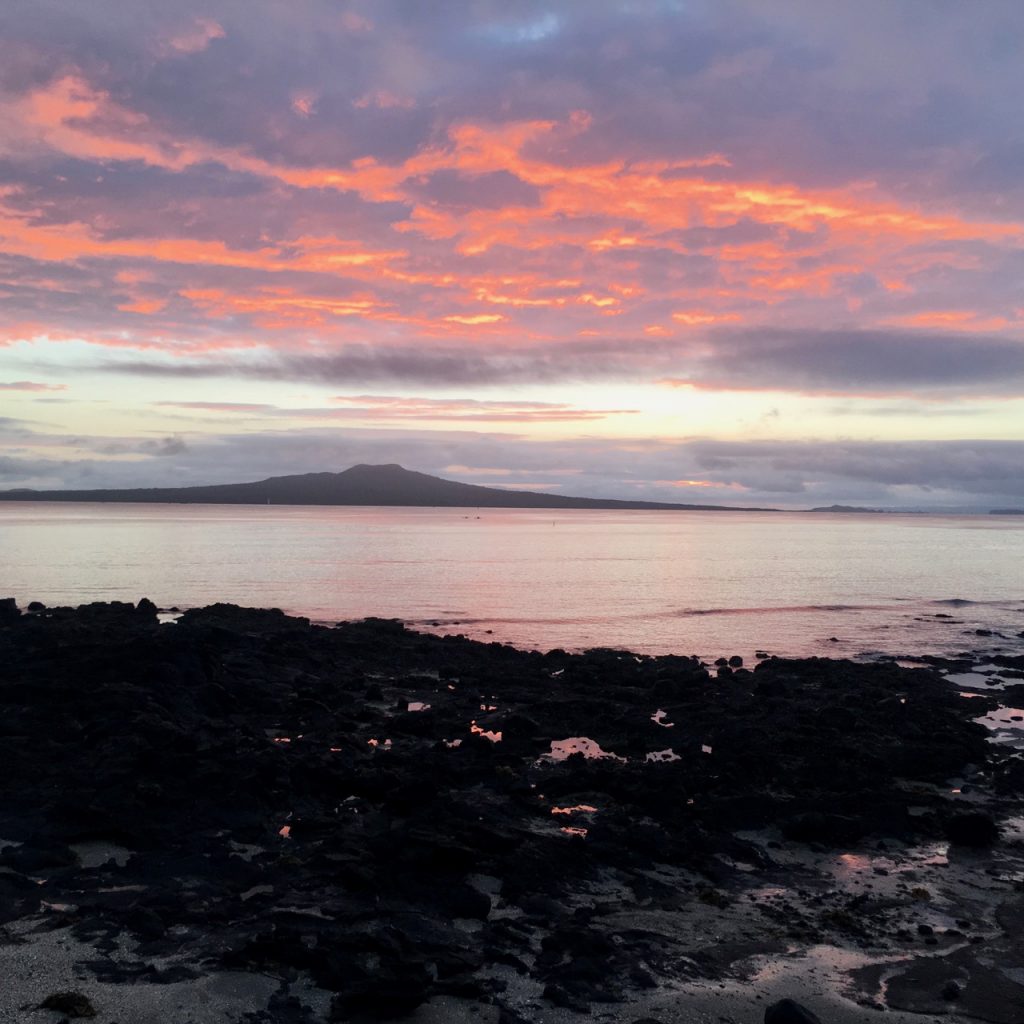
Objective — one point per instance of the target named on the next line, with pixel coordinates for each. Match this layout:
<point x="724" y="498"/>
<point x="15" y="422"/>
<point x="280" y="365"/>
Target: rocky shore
<point x="241" y="816"/>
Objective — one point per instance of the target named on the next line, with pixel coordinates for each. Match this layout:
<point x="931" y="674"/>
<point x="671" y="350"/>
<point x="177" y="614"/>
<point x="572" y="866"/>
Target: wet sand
<point x="243" y="817"/>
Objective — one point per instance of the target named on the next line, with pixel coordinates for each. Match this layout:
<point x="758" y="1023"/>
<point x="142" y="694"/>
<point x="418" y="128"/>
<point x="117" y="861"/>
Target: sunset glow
<point x="242" y="244"/>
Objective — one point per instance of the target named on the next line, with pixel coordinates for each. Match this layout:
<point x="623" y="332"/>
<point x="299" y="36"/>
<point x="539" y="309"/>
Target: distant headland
<point x="359" y="485"/>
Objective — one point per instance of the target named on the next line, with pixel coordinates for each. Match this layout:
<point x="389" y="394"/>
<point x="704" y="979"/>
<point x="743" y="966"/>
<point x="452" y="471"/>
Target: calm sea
<point x="691" y="582"/>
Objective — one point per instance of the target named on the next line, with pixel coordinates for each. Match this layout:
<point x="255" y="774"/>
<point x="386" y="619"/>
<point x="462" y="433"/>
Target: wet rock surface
<point x="394" y="817"/>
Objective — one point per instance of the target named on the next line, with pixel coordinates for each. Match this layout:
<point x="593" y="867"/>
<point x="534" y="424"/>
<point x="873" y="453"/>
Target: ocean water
<point x="702" y="583"/>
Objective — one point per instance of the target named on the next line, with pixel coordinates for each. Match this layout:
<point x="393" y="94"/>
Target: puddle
<point x="658" y="756"/>
<point x="574" y="830"/>
<point x="1006" y="726"/>
<point x="256" y="890"/>
<point x="417" y="705"/>
<point x="1003" y="718"/>
<point x="578" y="808"/>
<point x="705" y="749"/>
<point x="57" y="908"/>
<point x="493" y="736"/>
<point x="386" y="745"/>
<point x="979" y="675"/>
<point x="658" y="718"/>
<point x="95" y="854"/>
<point x="561" y="749"/>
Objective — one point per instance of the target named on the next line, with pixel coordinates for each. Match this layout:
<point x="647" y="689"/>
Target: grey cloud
<point x="365" y="364"/>
<point x="828" y="362"/>
<point x="985" y="467"/>
<point x="168" y="446"/>
<point x="862" y="362"/>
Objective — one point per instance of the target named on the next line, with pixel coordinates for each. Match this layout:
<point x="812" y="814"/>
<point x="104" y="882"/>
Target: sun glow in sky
<point x="744" y="252"/>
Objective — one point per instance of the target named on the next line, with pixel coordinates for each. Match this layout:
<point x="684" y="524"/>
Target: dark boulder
<point x="71" y="1004"/>
<point x="972" y="828"/>
<point x="787" y="1011"/>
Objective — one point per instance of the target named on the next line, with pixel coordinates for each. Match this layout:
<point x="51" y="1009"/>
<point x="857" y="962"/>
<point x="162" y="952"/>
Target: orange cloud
<point x="144" y="306"/>
<point x="474" y="319"/>
<point x="954" y="320"/>
<point x="584" y="250"/>
<point x="693" y="317"/>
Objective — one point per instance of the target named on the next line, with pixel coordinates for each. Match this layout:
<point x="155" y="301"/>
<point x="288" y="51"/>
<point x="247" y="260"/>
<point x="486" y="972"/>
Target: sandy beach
<point x="240" y="816"/>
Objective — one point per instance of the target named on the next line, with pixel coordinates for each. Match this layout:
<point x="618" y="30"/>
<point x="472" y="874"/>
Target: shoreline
<point x="312" y="823"/>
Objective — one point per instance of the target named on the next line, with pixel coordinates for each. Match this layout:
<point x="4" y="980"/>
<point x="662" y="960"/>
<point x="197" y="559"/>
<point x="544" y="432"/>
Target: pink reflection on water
<point x="659" y="717"/>
<point x="494" y="737"/>
<point x="574" y="830"/>
<point x="584" y="808"/>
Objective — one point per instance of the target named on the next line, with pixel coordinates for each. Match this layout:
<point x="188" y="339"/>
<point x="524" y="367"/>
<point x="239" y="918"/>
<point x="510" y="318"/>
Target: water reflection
<point x="649" y="581"/>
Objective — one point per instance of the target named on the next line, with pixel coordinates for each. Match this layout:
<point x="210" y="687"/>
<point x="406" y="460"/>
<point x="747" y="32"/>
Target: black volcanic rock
<point x="972" y="828"/>
<point x="360" y="485"/>
<point x="283" y="808"/>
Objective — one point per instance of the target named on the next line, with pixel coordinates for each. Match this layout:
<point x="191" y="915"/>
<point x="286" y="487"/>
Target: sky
<point x="717" y="251"/>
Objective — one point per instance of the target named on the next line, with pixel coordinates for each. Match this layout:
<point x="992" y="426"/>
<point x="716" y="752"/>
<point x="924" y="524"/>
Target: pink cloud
<point x="196" y="37"/>
<point x="394" y="408"/>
